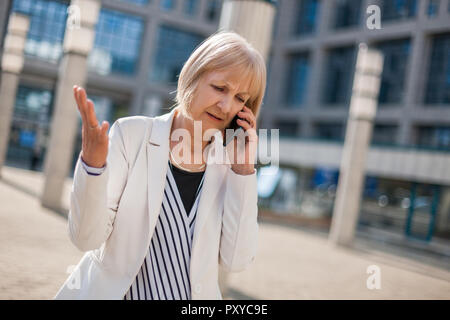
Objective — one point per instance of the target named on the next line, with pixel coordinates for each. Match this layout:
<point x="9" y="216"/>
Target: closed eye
<point x="217" y="88"/>
<point x="222" y="89"/>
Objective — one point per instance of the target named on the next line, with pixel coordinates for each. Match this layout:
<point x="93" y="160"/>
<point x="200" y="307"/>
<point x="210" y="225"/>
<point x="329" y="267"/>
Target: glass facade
<point x="433" y="137"/>
<point x="433" y="8"/>
<point x="329" y="131"/>
<point x="296" y="88"/>
<point x="30" y="127"/>
<point x="338" y="75"/>
<point x="438" y="86"/>
<point x="47" y="27"/>
<point x="172" y="50"/>
<point x="307" y="17"/>
<point x="398" y="9"/>
<point x="141" y="2"/>
<point x="167" y="4"/>
<point x="298" y="192"/>
<point x="396" y="55"/>
<point x="416" y="210"/>
<point x="405" y="207"/>
<point x="190" y="7"/>
<point x="117" y="43"/>
<point x="348" y="13"/>
<point x="213" y="8"/>
<point x="384" y="134"/>
<point x="288" y="128"/>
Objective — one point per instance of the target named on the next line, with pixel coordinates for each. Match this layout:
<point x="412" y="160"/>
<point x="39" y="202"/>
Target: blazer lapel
<point x="157" y="163"/>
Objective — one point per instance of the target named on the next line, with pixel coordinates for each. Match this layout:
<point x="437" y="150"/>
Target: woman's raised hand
<point x="94" y="137"/>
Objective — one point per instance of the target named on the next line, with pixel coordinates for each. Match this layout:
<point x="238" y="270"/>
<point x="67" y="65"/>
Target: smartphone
<point x="237" y="129"/>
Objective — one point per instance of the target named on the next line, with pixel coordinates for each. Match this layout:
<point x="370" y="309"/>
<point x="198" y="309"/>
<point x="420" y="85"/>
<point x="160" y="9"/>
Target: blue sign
<point x="27" y="138"/>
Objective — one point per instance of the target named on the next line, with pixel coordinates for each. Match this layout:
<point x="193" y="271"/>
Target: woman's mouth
<point x="213" y="117"/>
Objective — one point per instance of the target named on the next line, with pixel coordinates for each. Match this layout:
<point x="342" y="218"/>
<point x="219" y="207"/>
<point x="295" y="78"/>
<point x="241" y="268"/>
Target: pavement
<point x="292" y="262"/>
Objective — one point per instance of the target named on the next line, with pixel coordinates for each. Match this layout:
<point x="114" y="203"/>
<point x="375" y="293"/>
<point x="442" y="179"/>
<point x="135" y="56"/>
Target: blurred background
<point x="138" y="49"/>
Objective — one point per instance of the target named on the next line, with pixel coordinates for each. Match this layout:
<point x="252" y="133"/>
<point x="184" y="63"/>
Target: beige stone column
<point x="252" y="19"/>
<point x="363" y="106"/>
<point x="12" y="64"/>
<point x="78" y="41"/>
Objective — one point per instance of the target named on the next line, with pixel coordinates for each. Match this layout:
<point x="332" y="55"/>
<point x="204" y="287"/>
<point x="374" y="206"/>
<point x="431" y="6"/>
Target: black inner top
<point x="187" y="183"/>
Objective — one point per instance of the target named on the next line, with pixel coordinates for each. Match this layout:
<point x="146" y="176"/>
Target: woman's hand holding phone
<point x="94" y="137"/>
<point x="247" y="121"/>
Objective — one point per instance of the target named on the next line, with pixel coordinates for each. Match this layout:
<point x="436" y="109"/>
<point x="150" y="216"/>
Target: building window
<point x="396" y="55"/>
<point x="288" y="128"/>
<point x="329" y="131"/>
<point x="30" y="126"/>
<point x="167" y="5"/>
<point x="213" y="9"/>
<point x="438" y="86"/>
<point x="190" y="7"/>
<point x="397" y="9"/>
<point x="338" y="76"/>
<point x="433" y="137"/>
<point x="433" y="8"/>
<point x="117" y="43"/>
<point x="140" y="2"/>
<point x="348" y="13"/>
<point x="307" y="17"/>
<point x="47" y="27"/>
<point x="385" y="204"/>
<point x="297" y="80"/>
<point x="172" y="50"/>
<point x="384" y="134"/>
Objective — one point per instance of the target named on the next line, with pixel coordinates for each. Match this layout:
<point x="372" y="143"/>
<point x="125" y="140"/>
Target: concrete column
<point x="363" y="107"/>
<point x="12" y="64"/>
<point x="254" y="21"/>
<point x="152" y="106"/>
<point x="5" y="7"/>
<point x="78" y="42"/>
<point x="251" y="19"/>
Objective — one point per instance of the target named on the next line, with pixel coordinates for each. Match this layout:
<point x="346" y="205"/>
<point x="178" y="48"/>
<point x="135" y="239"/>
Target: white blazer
<point x="112" y="216"/>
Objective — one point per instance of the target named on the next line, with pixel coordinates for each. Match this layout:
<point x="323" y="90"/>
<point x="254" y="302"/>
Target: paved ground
<point x="35" y="252"/>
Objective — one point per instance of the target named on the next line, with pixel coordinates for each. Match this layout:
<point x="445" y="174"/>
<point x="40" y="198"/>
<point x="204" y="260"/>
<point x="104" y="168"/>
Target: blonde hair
<point x="223" y="50"/>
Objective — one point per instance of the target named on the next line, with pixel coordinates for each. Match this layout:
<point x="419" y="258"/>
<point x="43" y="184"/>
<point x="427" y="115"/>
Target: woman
<point x="154" y="214"/>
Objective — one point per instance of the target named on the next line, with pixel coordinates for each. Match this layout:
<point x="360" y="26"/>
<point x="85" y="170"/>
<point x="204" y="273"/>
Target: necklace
<point x="180" y="166"/>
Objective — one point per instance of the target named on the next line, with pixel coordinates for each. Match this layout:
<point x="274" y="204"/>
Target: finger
<point x="79" y="107"/>
<point x="247" y="116"/>
<point x="82" y="107"/>
<point x="251" y="134"/>
<point x="248" y="109"/>
<point x="92" y="117"/>
<point x="104" y="128"/>
<point x="75" y="95"/>
<point x="250" y="112"/>
<point x="244" y="124"/>
<point x="89" y="110"/>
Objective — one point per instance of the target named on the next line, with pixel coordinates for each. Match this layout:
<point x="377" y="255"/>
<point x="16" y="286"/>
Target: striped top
<point x="164" y="274"/>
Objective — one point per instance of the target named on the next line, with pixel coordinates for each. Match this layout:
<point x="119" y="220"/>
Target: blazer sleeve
<point x="94" y="199"/>
<point x="239" y="238"/>
<point x="92" y="170"/>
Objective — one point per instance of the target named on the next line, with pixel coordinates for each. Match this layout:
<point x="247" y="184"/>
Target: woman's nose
<point x="225" y="105"/>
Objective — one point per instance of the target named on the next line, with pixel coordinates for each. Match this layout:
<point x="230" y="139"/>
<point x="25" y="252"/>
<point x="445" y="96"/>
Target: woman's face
<point x="219" y="97"/>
